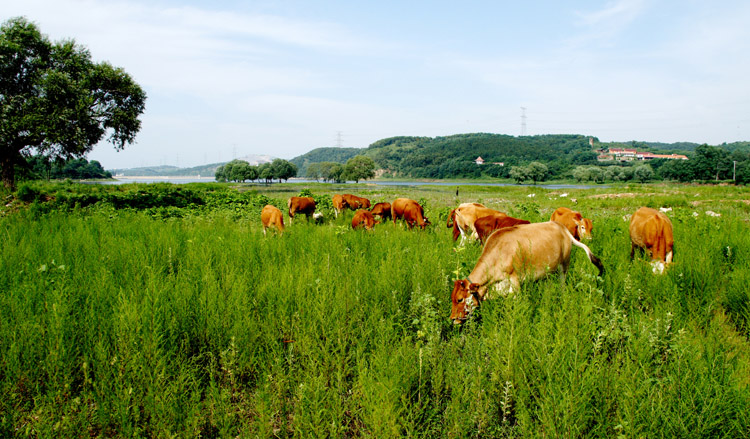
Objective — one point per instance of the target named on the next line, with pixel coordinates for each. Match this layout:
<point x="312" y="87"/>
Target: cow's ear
<point x="473" y="287"/>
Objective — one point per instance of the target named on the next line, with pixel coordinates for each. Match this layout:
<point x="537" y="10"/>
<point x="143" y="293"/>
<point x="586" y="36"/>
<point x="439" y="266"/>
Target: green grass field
<point x="185" y="321"/>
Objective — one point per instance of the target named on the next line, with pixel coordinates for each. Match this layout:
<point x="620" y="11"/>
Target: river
<point x="182" y="180"/>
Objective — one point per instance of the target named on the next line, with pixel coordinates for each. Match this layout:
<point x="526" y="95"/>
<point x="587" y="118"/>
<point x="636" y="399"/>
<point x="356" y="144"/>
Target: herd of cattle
<point x="513" y="249"/>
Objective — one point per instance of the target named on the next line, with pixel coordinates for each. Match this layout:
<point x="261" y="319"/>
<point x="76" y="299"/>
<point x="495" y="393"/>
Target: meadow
<point x="163" y="311"/>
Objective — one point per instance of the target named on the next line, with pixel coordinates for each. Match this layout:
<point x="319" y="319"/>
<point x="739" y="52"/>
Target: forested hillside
<point x="454" y="156"/>
<point x="319" y="155"/>
<point x="562" y="156"/>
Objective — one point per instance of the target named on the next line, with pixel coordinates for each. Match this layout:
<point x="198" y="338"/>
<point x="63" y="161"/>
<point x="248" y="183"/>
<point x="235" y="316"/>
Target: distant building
<point x="479" y="161"/>
<point x="627" y="154"/>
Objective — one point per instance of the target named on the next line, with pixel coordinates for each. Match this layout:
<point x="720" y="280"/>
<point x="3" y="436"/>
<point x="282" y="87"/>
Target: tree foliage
<point x="56" y="101"/>
<point x="359" y="168"/>
<point x="241" y="171"/>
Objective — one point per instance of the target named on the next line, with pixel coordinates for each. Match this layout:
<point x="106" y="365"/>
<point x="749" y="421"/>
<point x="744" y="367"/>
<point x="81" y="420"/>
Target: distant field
<point x="152" y="311"/>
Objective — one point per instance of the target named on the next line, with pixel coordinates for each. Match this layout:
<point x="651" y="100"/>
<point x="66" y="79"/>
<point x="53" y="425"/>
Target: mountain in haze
<point x="174" y="171"/>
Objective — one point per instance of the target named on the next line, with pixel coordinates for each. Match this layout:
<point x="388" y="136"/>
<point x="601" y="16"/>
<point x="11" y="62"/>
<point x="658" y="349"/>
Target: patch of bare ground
<point x="620" y="195"/>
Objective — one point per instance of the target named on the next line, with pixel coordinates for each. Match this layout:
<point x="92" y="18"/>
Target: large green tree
<point x="359" y="168"/>
<point x="282" y="169"/>
<point x="55" y="101"/>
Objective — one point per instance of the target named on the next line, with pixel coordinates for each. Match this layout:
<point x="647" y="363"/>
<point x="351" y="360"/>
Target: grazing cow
<point x="271" y="216"/>
<point x="339" y="204"/>
<point x="651" y="230"/>
<point x="513" y="254"/>
<point x="577" y="225"/>
<point x="410" y="211"/>
<point x="463" y="217"/>
<point x="364" y="218"/>
<point x="383" y="210"/>
<point x="488" y="224"/>
<point x="354" y="202"/>
<point x="305" y="205"/>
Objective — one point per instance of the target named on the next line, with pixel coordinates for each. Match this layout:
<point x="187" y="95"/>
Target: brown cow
<point x="463" y="217"/>
<point x="305" y="205"/>
<point x="410" y="211"/>
<point x="577" y="225"/>
<point x="651" y="230"/>
<point x="511" y="255"/>
<point x="364" y="218"/>
<point x="339" y="204"/>
<point x="356" y="202"/>
<point x="271" y="216"/>
<point x="383" y="210"/>
<point x="488" y="224"/>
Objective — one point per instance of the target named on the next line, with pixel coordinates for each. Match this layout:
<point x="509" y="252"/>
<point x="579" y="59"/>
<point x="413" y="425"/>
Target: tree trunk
<point x="8" y="172"/>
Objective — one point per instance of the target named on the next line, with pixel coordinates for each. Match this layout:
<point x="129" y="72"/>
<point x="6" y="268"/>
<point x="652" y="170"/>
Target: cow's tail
<point x="451" y="218"/>
<point x="452" y="223"/>
<point x="594" y="260"/>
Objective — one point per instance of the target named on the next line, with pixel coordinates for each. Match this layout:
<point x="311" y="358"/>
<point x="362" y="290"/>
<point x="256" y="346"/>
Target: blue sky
<point x="228" y="79"/>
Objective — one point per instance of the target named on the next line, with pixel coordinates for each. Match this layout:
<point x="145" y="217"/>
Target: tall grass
<point x="120" y="323"/>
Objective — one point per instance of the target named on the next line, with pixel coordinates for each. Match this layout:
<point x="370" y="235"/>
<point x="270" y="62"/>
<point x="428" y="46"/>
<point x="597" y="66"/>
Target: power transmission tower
<point x="339" y="140"/>
<point x="523" y="121"/>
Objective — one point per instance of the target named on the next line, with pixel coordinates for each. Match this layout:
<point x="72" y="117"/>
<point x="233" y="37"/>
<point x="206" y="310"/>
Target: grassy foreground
<point x="186" y="322"/>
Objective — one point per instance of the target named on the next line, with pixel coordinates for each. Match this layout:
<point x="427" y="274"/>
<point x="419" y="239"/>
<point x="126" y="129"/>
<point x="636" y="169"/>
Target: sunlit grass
<point x="118" y="322"/>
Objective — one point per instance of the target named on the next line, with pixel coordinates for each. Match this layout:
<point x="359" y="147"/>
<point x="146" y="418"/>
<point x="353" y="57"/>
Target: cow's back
<point x="533" y="249"/>
<point x="271" y="216"/>
<point x="398" y="206"/>
<point x="467" y="214"/>
<point x="486" y="225"/>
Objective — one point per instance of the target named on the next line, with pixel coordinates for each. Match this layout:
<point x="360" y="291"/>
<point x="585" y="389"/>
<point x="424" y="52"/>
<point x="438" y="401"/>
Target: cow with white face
<point x="577" y="225"/>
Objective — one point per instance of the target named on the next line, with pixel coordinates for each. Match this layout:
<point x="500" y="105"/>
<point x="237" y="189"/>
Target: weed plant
<point x="116" y="320"/>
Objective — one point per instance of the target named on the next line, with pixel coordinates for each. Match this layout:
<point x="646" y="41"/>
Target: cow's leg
<point x="632" y="251"/>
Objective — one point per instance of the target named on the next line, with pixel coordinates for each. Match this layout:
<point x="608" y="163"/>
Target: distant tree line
<point x="241" y="171"/>
<point x="39" y="167"/>
<point x="531" y="159"/>
<point x="355" y="169"/>
<point x="706" y="164"/>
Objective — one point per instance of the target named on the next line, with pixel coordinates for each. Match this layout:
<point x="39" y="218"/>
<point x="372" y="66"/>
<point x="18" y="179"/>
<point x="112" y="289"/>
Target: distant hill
<point x="336" y="155"/>
<point x="173" y="171"/>
<point x="454" y="156"/>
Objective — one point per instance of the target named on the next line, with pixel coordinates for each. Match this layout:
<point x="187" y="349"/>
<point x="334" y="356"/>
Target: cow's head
<point x="585" y="226"/>
<point x="464" y="299"/>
